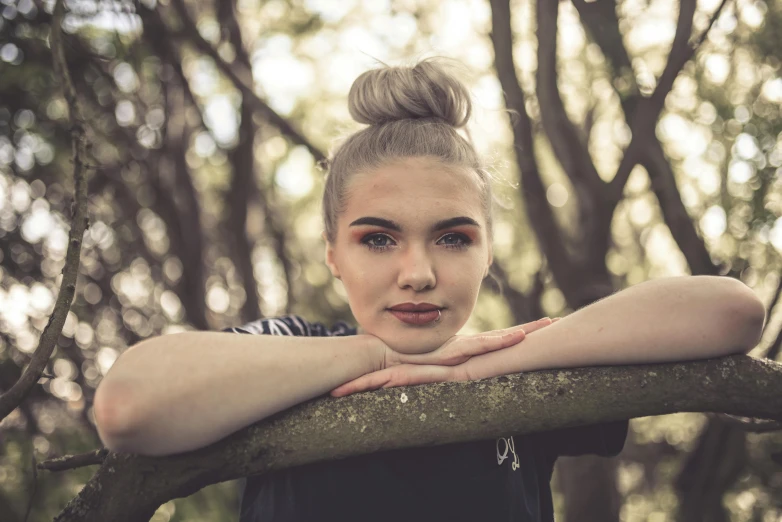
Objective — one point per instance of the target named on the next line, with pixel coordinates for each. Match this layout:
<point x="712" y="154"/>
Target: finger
<point x="501" y="331"/>
<point x="414" y="375"/>
<point x="496" y="342"/>
<point x="350" y="388"/>
<point x="347" y="388"/>
<point x="369" y="381"/>
<point x="537" y="325"/>
<point x="527" y="327"/>
<point x="488" y="342"/>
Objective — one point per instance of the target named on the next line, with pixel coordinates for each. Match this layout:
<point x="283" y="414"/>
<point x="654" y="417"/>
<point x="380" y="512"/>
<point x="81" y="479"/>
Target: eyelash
<point x="466" y="241"/>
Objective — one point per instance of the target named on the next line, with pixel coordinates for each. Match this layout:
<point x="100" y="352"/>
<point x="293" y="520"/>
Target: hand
<point x="401" y="375"/>
<point x="460" y="348"/>
<point x="410" y="373"/>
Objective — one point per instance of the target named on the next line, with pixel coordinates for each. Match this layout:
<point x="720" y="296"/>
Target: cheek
<point x="468" y="269"/>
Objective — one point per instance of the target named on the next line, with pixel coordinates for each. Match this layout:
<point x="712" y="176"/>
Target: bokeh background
<point x="208" y="121"/>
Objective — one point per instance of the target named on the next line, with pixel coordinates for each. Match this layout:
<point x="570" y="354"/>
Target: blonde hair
<point x="412" y="112"/>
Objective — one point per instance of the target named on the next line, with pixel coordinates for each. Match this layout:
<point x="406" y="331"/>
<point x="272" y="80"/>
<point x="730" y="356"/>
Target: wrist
<point x="377" y="352"/>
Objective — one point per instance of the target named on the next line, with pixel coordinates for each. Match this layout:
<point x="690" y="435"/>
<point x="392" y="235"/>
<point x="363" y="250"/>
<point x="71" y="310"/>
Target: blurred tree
<point x="208" y="122"/>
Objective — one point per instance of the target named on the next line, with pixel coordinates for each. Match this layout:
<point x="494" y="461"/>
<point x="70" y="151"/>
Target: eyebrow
<point x="440" y="225"/>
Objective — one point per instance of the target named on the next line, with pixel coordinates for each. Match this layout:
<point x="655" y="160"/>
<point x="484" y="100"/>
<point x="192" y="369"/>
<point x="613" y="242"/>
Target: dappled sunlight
<point x="205" y="207"/>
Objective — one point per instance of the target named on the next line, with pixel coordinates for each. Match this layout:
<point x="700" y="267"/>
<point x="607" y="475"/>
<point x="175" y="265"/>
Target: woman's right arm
<point x="178" y="392"/>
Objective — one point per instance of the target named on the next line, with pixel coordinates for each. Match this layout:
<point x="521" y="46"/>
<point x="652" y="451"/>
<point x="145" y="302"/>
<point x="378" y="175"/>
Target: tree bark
<point x="432" y="414"/>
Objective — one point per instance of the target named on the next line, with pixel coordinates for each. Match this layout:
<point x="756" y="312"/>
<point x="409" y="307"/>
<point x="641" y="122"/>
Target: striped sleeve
<point x="290" y="325"/>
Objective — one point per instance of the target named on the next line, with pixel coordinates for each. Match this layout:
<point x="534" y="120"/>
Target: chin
<point x="413" y="347"/>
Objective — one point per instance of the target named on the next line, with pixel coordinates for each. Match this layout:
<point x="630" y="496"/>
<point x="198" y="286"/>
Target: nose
<point x="416" y="269"/>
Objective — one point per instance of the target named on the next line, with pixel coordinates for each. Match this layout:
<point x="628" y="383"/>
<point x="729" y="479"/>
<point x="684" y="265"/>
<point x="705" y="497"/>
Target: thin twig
<point x="749" y="423"/>
<point x="13" y="397"/>
<point x="74" y="461"/>
<point x="713" y="19"/>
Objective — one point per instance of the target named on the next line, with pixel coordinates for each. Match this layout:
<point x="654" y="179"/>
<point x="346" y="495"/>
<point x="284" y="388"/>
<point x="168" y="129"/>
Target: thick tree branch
<point x="594" y="214"/>
<point x="244" y="187"/>
<point x="179" y="209"/>
<point x="180" y="205"/>
<point x="775" y="298"/>
<point x="562" y="134"/>
<point x="432" y="414"/>
<point x="191" y="31"/>
<point x="524" y="308"/>
<point x="645" y="119"/>
<point x="773" y="350"/>
<point x="602" y="24"/>
<point x="570" y="279"/>
<point x="13" y="397"/>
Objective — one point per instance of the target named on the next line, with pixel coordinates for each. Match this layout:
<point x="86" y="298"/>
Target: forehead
<point x="414" y="187"/>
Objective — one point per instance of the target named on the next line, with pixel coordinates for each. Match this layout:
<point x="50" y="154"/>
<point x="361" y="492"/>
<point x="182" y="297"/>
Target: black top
<point x="473" y="481"/>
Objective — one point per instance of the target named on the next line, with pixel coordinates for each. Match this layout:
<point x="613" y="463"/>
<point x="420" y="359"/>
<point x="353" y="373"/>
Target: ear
<point x="491" y="260"/>
<point x="330" y="257"/>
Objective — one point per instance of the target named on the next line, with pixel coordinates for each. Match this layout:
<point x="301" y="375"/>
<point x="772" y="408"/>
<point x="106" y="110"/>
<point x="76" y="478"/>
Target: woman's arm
<point x="179" y="392"/>
<point x="667" y="319"/>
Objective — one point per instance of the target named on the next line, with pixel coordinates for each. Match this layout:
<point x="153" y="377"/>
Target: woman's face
<point x="394" y="245"/>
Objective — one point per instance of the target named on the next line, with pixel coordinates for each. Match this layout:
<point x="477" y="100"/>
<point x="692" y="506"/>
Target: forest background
<point x="646" y="141"/>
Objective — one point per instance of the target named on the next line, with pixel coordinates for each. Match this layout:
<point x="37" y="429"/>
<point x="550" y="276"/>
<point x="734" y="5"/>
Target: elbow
<point x="112" y="419"/>
<point x="746" y="316"/>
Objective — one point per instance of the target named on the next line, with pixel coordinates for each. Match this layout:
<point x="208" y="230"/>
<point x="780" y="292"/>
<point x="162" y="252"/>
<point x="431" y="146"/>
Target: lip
<point x="415" y="307"/>
<point x="416" y="318"/>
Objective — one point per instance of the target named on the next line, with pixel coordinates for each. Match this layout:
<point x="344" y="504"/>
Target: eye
<point x="380" y="242"/>
<point x="376" y="242"/>
<point x="461" y="240"/>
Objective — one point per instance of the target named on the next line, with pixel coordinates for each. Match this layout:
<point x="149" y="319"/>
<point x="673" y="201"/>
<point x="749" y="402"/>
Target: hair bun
<point x="426" y="90"/>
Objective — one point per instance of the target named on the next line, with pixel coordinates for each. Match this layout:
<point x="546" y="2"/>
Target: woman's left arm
<point x="661" y="320"/>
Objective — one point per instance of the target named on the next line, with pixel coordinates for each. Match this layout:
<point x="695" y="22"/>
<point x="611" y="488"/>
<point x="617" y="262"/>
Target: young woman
<point x="408" y="227"/>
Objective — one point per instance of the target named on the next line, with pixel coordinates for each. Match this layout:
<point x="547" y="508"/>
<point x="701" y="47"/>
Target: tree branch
<point x="748" y="423"/>
<point x="601" y="21"/>
<point x="773" y="350"/>
<point x="74" y="461"/>
<point x="523" y="308"/>
<point x="433" y="414"/>
<point x="775" y="298"/>
<point x="648" y="112"/>
<point x="243" y="180"/>
<point x="594" y="216"/>
<point x="191" y="31"/>
<point x="13" y="397"/>
<point x="552" y="243"/>
<point x="563" y="137"/>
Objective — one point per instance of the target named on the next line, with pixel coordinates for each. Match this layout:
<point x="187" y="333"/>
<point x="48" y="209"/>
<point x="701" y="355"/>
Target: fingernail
<point x="541" y="320"/>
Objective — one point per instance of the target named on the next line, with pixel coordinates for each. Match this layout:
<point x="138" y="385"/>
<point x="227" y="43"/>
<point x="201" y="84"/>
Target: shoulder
<point x="292" y="324"/>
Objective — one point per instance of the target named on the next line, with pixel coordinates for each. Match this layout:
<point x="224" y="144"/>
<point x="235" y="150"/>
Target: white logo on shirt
<point x="509" y="445"/>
